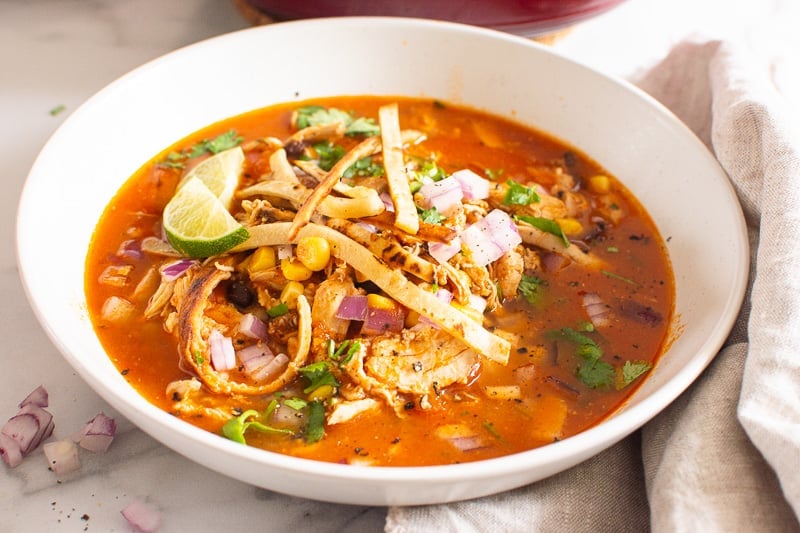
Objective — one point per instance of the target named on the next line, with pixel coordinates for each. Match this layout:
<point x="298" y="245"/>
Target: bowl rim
<point x="607" y="433"/>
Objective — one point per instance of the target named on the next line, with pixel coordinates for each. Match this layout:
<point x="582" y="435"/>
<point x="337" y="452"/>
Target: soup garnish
<point x="411" y="283"/>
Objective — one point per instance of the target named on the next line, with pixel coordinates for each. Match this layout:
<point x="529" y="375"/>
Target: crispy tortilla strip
<point x="404" y="209"/>
<point x="551" y="243"/>
<point x="366" y="148"/>
<point x="318" y="132"/>
<point x="392" y="282"/>
<point x="389" y="250"/>
<point x="427" y="231"/>
<point x="194" y="328"/>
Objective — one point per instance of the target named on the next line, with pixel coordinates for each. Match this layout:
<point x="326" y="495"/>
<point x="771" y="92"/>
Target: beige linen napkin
<point x="726" y="455"/>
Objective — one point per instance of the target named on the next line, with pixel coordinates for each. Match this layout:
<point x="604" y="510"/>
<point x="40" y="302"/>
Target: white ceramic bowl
<point x="634" y="137"/>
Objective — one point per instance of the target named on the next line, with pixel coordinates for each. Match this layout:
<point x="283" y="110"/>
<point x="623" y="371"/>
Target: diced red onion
<point x="468" y="444"/>
<point x="380" y="321"/>
<point x="491" y="237"/>
<point x="22" y="428"/>
<point x="442" y="252"/>
<point x="353" y="307"/>
<point x="271" y="369"/>
<point x="223" y="356"/>
<point x="254" y="351"/>
<point x="553" y="262"/>
<point x="37" y="397"/>
<point x="473" y="186"/>
<point x="9" y="450"/>
<point x="45" y="422"/>
<point x="252" y="326"/>
<point x="444" y="195"/>
<point x="175" y="269"/>
<point x="599" y="313"/>
<point x="285" y="251"/>
<point x="525" y="374"/>
<point x="386" y="198"/>
<point x="62" y="456"/>
<point x="142" y="516"/>
<point x="98" y="433"/>
<point x="130" y="248"/>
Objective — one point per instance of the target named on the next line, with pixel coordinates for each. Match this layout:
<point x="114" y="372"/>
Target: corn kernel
<point x="262" y="259"/>
<point x="412" y="319"/>
<point x="294" y="270"/>
<point x="313" y="252"/>
<point x="290" y="292"/>
<point x="377" y="301"/>
<point x="321" y="393"/>
<point x="600" y="184"/>
<point x="570" y="226"/>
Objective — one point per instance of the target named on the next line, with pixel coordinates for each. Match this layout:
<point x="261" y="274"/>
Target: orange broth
<point x="554" y="403"/>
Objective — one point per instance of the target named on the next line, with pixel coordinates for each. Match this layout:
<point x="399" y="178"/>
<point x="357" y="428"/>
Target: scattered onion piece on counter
<point x="142" y="517"/>
<point x="38" y="397"/>
<point x="62" y="456"/>
<point x="98" y="433"/>
<point x="26" y="430"/>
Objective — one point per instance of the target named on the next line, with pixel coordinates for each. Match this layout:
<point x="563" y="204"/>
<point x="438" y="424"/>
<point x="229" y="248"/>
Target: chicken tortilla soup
<point x="383" y="281"/>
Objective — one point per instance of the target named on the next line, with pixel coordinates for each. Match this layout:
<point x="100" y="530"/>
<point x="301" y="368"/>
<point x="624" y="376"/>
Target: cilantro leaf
<point x="597" y="374"/>
<point x="546" y="225"/>
<point x="493" y="173"/>
<point x="328" y="154"/>
<point x="530" y="287"/>
<point x="518" y="194"/>
<point x="235" y="428"/>
<point x="632" y="370"/>
<point x="315" y="429"/>
<point x="431" y="216"/>
<point x="279" y="310"/>
<point x="315" y="115"/>
<point x="344" y="352"/>
<point x="295" y="403"/>
<point x="364" y="167"/>
<point x="318" y="374"/>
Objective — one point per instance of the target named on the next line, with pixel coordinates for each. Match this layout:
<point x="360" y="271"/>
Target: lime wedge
<point x="197" y="223"/>
<point x="220" y="173"/>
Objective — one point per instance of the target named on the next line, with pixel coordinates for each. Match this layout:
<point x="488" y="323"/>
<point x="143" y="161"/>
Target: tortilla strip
<point x="366" y="148"/>
<point x="551" y="243"/>
<point x="193" y="330"/>
<point x="389" y="250"/>
<point x="404" y="209"/>
<point x="392" y="282"/>
<point x="317" y="132"/>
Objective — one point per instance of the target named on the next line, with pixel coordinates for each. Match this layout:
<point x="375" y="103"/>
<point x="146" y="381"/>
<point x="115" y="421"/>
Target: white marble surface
<point x="60" y="52"/>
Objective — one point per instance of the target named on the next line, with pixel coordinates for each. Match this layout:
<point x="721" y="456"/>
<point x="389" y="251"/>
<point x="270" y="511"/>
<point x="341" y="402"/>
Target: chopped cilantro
<point x="613" y="275"/>
<point x="630" y="371"/>
<point x="315" y="115"/>
<point x="612" y="249"/>
<point x="431" y="216"/>
<point x="344" y="352"/>
<point x="57" y="110"/>
<point x="596" y="374"/>
<point x="493" y="173"/>
<point x="328" y="154"/>
<point x="199" y="359"/>
<point x="364" y="167"/>
<point x="295" y="403"/>
<point x="235" y="428"/>
<point x="488" y="426"/>
<point x="318" y="374"/>
<point x="438" y="104"/>
<point x="546" y="225"/>
<point x="315" y="429"/>
<point x="220" y="143"/>
<point x="530" y="287"/>
<point x="518" y="194"/>
<point x="279" y="310"/>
